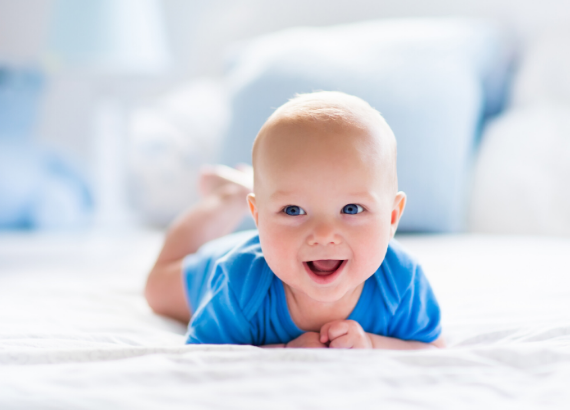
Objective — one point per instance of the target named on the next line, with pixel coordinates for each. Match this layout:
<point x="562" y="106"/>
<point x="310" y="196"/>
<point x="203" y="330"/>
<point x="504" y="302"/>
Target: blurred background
<point x="108" y="108"/>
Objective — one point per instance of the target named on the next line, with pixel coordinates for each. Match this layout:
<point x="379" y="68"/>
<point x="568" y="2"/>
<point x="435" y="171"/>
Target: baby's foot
<point x="217" y="178"/>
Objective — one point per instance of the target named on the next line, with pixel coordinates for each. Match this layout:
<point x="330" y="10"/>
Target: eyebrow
<point x="278" y="194"/>
<point x="364" y="195"/>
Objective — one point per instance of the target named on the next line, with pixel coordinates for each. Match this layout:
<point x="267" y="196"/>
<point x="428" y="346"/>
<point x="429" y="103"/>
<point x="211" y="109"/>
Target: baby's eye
<point x="352" y="209"/>
<point x="294" y="210"/>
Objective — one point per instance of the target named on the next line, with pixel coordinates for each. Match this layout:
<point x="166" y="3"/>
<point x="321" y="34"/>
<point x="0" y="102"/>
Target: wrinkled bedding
<point x="75" y="332"/>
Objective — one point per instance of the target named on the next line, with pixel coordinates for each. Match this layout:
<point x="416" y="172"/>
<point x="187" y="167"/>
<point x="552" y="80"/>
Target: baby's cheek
<point x="370" y="250"/>
<point x="278" y="247"/>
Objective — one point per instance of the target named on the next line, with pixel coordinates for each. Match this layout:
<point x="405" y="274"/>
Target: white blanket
<point x="75" y="332"/>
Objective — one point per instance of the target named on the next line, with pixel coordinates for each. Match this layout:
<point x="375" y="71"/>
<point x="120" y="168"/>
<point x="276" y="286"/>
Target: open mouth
<point x="324" y="270"/>
<point x="324" y="267"/>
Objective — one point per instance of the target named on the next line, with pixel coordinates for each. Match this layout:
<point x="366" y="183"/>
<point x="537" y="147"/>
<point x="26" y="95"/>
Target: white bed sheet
<point x="75" y="332"/>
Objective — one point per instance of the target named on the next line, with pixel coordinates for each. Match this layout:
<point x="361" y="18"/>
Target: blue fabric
<point x="236" y="298"/>
<point x="434" y="80"/>
<point x="39" y="189"/>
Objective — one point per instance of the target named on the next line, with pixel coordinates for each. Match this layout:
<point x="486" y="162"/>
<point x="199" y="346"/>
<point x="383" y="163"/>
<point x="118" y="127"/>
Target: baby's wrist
<point x="370" y="338"/>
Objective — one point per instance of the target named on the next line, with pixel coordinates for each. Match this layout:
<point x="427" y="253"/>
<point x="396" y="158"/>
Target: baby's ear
<point x="252" y="206"/>
<point x="397" y="211"/>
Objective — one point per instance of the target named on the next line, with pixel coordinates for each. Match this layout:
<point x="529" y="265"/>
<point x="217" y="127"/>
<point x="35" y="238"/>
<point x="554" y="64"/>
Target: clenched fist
<point x="345" y="334"/>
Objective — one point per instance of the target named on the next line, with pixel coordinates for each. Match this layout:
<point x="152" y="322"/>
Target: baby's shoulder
<point x="397" y="274"/>
<point x="246" y="273"/>
<point x="397" y="257"/>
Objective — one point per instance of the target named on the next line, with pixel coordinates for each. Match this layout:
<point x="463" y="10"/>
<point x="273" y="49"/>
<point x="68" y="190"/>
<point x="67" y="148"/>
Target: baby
<point x="322" y="269"/>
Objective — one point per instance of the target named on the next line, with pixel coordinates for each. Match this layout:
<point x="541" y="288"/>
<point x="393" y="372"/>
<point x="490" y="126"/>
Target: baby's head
<point x="326" y="198"/>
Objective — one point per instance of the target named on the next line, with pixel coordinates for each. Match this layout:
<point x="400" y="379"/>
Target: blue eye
<point x="294" y="210"/>
<point x="352" y="209"/>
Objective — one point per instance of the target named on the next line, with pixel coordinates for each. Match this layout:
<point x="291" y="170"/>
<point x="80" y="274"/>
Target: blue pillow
<point x="434" y="80"/>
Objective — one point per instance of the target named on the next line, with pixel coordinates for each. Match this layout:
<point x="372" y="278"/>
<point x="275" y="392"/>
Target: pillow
<point x="434" y="80"/>
<point x="520" y="183"/>
<point x="169" y="142"/>
<point x="543" y="72"/>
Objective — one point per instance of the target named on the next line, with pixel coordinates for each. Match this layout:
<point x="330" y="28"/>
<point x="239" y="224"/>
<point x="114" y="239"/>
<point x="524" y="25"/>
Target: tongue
<point x="326" y="265"/>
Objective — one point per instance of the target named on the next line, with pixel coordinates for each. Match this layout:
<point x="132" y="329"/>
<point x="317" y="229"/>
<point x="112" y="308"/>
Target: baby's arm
<point x="349" y="334"/>
<point x="390" y="343"/>
<point x="306" y="340"/>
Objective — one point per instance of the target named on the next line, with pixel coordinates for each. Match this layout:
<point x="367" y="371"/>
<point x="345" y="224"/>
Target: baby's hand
<point x="345" y="334"/>
<point x="307" y="340"/>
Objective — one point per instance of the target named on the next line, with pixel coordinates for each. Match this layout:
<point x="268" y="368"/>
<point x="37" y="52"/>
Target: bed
<point x="76" y="332"/>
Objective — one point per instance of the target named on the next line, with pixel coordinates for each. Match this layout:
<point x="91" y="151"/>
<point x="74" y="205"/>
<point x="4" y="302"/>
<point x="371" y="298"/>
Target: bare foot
<point x="216" y="178"/>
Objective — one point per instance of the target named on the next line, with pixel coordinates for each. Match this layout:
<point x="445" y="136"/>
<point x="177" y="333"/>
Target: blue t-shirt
<point x="236" y="298"/>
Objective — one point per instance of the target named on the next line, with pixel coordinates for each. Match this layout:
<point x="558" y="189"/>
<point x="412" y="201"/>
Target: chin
<point x="327" y="295"/>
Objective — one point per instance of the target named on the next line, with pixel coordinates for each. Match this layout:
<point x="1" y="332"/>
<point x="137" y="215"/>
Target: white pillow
<point x="522" y="175"/>
<point x="544" y="73"/>
<point x="169" y="142"/>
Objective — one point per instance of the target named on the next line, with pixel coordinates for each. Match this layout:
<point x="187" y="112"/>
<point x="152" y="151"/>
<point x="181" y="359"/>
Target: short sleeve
<point x="198" y="267"/>
<point x="219" y="320"/>
<point x="226" y="283"/>
<point x="417" y="316"/>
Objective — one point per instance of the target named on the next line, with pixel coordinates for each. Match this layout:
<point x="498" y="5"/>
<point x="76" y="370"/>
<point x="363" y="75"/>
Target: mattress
<point x="75" y="332"/>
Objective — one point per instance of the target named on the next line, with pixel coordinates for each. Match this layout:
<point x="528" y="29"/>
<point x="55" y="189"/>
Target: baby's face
<point x="324" y="206"/>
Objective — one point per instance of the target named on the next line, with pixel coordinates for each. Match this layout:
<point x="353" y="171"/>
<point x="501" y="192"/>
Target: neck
<point x="310" y="315"/>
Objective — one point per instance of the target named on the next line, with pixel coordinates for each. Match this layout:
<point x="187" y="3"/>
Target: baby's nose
<point x="324" y="233"/>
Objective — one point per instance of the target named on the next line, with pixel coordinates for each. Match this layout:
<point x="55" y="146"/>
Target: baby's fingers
<point x="342" y="342"/>
<point x="324" y="336"/>
<point x="330" y="331"/>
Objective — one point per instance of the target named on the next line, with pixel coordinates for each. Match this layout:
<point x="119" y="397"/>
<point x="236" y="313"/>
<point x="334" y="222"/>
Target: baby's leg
<point x="221" y="209"/>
